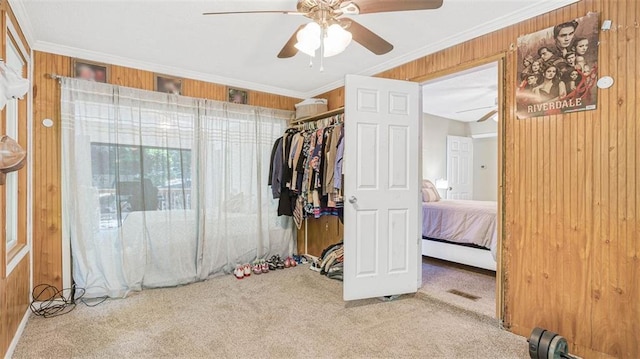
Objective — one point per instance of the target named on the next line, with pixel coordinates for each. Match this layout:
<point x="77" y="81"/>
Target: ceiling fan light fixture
<point x="309" y="39"/>
<point x="307" y="49"/>
<point x="336" y="41"/>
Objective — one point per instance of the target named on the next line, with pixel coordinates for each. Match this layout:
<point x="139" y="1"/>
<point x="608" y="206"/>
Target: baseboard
<point x="475" y="257"/>
<point x="16" y="337"/>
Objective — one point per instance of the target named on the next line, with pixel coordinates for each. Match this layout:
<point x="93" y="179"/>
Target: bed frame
<point x="475" y="257"/>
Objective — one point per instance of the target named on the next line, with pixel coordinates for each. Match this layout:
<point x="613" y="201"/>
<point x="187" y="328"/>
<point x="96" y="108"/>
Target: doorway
<point x="462" y="157"/>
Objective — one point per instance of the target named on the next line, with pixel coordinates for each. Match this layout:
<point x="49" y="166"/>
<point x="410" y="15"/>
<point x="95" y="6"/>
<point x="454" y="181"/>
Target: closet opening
<point x="461" y="172"/>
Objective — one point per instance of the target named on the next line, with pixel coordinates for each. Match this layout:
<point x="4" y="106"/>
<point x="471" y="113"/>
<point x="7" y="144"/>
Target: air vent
<point x="463" y="294"/>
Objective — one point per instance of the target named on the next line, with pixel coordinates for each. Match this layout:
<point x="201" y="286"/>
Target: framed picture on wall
<point x="238" y="95"/>
<point x="167" y="84"/>
<point x="90" y="71"/>
<point x="558" y="69"/>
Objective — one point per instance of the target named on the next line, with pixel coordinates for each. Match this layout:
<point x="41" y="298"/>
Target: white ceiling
<point x="463" y="96"/>
<point x="172" y="37"/>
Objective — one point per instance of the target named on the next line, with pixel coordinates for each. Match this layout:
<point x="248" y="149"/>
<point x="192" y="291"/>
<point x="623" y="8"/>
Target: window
<point x="11" y="182"/>
<point x="139" y="178"/>
<point x="15" y="113"/>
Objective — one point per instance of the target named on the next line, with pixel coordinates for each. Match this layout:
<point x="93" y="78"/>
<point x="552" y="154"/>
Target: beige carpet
<point x="439" y="278"/>
<point x="288" y="313"/>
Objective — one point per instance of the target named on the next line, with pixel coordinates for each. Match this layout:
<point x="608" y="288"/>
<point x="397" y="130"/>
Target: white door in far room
<point x="460" y="167"/>
<point x="382" y="216"/>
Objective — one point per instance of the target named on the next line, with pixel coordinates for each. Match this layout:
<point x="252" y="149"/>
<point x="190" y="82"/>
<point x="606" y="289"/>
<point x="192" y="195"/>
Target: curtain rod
<point x="53" y="76"/>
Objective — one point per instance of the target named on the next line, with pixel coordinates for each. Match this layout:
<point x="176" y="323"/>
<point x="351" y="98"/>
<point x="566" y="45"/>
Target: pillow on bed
<point x="429" y="192"/>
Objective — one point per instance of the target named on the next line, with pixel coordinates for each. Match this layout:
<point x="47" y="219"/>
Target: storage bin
<point x="310" y="107"/>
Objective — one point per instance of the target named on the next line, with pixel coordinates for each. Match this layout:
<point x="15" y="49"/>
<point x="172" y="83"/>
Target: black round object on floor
<point x="545" y="342"/>
<point x="558" y="348"/>
<point x="534" y="342"/>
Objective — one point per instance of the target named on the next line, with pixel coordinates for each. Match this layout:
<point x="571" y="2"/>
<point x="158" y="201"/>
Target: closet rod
<point x="319" y="116"/>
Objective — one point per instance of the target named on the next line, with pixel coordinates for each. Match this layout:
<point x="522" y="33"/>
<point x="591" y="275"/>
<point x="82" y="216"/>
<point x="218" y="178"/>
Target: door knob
<point x="353" y="199"/>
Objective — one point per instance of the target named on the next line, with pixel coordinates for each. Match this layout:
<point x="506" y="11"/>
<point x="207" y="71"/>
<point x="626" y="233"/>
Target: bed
<point x="461" y="231"/>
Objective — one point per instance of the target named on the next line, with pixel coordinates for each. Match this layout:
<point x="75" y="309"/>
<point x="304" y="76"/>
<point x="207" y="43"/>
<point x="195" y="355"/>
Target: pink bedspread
<point x="461" y="221"/>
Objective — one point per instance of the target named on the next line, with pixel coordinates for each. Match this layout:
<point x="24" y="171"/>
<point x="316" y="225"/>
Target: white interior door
<point x="460" y="167"/>
<point x="382" y="215"/>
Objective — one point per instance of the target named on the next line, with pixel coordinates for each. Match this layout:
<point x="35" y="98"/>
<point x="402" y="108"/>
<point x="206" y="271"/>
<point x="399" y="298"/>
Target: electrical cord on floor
<point x="48" y="301"/>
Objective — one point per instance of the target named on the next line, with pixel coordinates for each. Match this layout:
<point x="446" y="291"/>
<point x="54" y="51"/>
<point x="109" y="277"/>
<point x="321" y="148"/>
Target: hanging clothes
<point x="306" y="170"/>
<point x="337" y="174"/>
<point x="287" y="200"/>
<point x="275" y="169"/>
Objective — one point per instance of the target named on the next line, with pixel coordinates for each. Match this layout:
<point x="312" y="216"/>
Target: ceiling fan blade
<point x="476" y="109"/>
<point x="289" y="50"/>
<point x="367" y="38"/>
<point x="285" y="12"/>
<point x="374" y="6"/>
<point x="488" y="115"/>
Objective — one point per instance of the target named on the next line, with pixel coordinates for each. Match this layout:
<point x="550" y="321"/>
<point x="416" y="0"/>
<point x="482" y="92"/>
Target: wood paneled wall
<point x="321" y="233"/>
<point x="14" y="285"/>
<point x="47" y="245"/>
<point x="14" y="302"/>
<point x="571" y="249"/>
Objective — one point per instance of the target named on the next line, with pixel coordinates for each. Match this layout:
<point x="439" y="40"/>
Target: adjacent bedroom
<point x="460" y="187"/>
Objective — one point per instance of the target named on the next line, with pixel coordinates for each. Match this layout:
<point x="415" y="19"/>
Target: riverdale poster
<point x="558" y="69"/>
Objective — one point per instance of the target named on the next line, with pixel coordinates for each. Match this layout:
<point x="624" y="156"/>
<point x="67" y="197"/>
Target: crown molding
<point x="525" y="13"/>
<point x="17" y="6"/>
<point x="168" y="70"/>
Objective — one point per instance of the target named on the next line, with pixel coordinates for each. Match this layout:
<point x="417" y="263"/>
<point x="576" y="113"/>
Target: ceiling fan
<point x="488" y="115"/>
<point x="493" y="111"/>
<point x="331" y="32"/>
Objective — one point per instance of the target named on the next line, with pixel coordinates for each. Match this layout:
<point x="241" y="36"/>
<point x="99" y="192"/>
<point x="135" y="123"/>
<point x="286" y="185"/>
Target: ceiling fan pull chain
<point x="323" y="34"/>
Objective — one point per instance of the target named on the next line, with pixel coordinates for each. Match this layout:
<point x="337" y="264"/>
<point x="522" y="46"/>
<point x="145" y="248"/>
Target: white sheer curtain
<point x="162" y="190"/>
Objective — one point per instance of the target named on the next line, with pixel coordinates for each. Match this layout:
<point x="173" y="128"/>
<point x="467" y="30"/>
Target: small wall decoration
<point x="90" y="71"/>
<point x="167" y="84"/>
<point x="238" y="95"/>
<point x="558" y="69"/>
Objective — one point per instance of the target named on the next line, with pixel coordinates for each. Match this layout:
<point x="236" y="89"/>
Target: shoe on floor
<point x="271" y="263"/>
<point x="264" y="265"/>
<point x="247" y="270"/>
<point x="257" y="268"/>
<point x="239" y="272"/>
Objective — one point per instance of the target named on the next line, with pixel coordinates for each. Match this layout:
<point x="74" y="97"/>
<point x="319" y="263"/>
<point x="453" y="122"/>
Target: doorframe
<point x="500" y="59"/>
